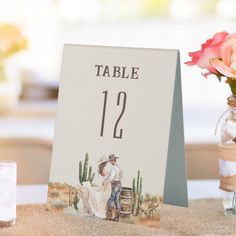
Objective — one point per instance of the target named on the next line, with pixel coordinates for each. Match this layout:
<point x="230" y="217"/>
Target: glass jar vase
<point x="227" y="161"/>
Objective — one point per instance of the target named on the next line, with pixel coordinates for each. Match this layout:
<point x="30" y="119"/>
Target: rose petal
<point x="195" y="54"/>
<point x="221" y="67"/>
<point x="190" y="63"/>
<point x="206" y="74"/>
<point x="209" y="49"/>
<point x="218" y="37"/>
<point x="230" y="36"/>
<point x="212" y="70"/>
<point x="208" y="53"/>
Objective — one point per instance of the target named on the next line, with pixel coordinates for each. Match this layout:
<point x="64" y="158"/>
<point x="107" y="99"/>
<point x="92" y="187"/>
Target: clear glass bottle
<point x="227" y="162"/>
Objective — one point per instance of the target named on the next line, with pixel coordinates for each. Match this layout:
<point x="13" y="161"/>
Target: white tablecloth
<point x="197" y="189"/>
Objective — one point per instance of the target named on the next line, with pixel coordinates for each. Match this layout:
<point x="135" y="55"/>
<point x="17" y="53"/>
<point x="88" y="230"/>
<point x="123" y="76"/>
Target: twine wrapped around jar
<point x="227" y="161"/>
<point x="232" y="101"/>
<point x="227" y="165"/>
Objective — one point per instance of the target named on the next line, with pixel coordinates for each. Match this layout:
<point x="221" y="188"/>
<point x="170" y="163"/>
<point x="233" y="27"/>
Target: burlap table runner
<point x="203" y="217"/>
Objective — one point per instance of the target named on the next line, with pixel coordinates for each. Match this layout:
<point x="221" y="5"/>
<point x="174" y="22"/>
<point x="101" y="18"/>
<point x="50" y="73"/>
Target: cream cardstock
<point x="141" y="121"/>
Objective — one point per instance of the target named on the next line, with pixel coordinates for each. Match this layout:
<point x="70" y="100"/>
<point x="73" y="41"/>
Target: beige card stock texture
<point x="152" y="123"/>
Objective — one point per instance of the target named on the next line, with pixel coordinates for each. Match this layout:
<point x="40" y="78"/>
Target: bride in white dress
<point x="94" y="199"/>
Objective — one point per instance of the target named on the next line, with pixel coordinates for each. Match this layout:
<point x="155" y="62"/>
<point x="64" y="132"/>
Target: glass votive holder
<point x="7" y="193"/>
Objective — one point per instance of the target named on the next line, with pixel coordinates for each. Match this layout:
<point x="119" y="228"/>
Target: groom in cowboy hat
<point x="114" y="178"/>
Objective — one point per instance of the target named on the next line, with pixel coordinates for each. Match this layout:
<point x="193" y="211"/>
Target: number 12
<point x="120" y="95"/>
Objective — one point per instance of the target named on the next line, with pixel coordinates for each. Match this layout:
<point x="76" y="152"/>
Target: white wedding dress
<point x="94" y="199"/>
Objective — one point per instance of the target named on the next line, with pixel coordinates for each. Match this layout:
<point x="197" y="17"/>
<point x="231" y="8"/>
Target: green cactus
<point x="138" y="198"/>
<point x="85" y="172"/>
<point x="80" y="172"/>
<point x="134" y="185"/>
<point x="92" y="178"/>
<point x="76" y="201"/>
<point x="85" y="169"/>
<point x="90" y="173"/>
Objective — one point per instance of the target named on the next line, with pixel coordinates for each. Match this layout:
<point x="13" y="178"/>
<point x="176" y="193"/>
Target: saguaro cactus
<point x="137" y="189"/>
<point x="84" y="174"/>
<point x="76" y="201"/>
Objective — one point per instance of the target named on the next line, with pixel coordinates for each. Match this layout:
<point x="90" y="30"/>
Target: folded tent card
<point x="119" y="145"/>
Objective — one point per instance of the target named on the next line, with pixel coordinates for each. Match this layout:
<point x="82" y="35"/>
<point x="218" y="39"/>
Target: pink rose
<point x="226" y="63"/>
<point x="210" y="49"/>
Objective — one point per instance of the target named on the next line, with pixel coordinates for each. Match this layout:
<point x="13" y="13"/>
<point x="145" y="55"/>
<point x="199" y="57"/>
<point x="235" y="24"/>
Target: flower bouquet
<point x="217" y="57"/>
<point x="11" y="42"/>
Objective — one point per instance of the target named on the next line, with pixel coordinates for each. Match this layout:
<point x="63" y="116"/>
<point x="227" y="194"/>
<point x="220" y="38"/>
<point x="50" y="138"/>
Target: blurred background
<point x="28" y="93"/>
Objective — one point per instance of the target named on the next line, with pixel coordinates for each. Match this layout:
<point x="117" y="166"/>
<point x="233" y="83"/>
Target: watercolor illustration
<point x="106" y="198"/>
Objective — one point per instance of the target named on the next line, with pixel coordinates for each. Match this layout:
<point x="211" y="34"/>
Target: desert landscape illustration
<point x="128" y="204"/>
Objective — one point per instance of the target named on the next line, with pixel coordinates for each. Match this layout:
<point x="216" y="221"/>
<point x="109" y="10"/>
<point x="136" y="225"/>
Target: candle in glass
<point x="7" y="193"/>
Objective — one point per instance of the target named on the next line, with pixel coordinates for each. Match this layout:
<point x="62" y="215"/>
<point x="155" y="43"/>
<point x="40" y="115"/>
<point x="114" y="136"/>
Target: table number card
<point x="119" y="145"/>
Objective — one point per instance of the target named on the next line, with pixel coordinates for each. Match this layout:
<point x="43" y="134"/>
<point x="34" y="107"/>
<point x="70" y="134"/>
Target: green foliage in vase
<point x="137" y="190"/>
<point x="2" y="72"/>
<point x="12" y="41"/>
<point x="85" y="171"/>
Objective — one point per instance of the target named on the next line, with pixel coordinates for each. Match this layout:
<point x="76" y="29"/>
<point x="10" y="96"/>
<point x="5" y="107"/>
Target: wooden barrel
<point x="126" y="202"/>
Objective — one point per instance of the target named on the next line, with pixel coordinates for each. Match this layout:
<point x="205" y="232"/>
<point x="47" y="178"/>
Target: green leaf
<point x="232" y="84"/>
<point x="219" y="77"/>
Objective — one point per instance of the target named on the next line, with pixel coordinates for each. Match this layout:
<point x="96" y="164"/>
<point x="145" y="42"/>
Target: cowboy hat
<point x="113" y="156"/>
<point x="103" y="159"/>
